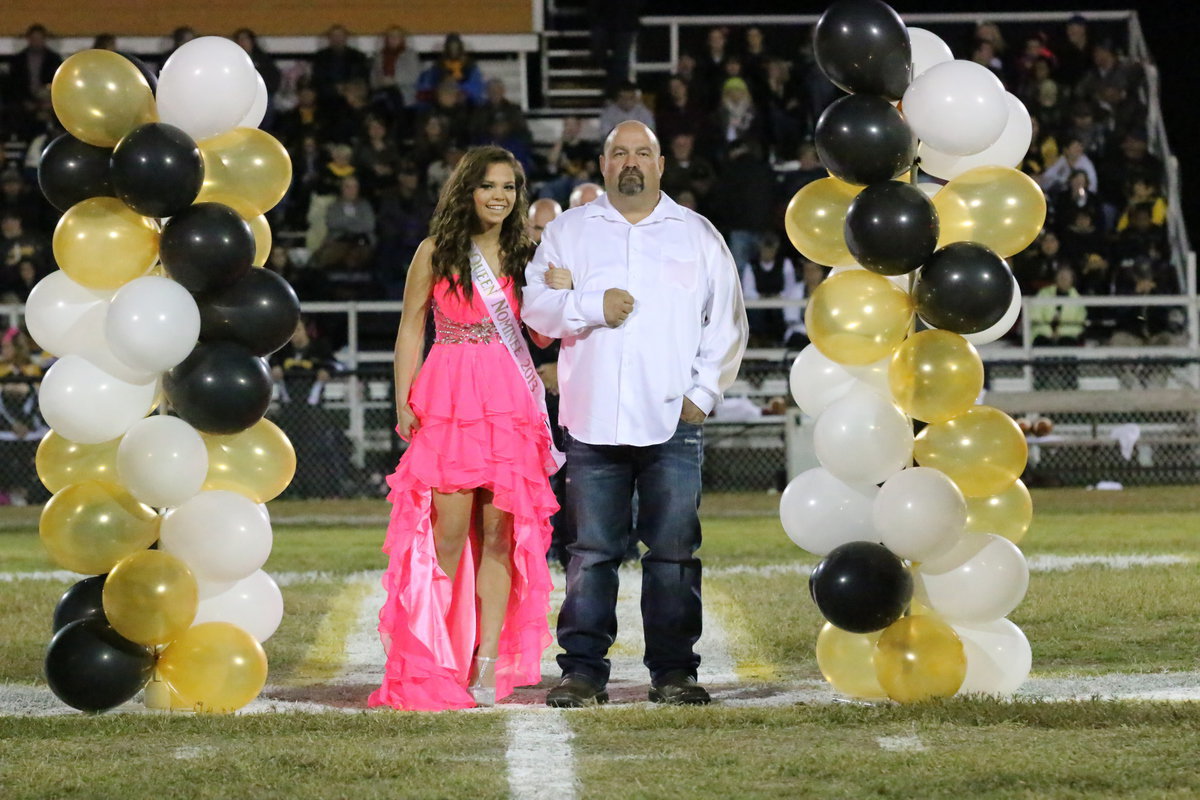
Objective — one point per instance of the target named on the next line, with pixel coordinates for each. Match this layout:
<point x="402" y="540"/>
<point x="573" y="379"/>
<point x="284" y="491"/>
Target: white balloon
<point x="928" y="50"/>
<point x="998" y="657"/>
<point x="58" y="313"/>
<point x="982" y="578"/>
<point x="874" y="376"/>
<point x="69" y="320"/>
<point x="84" y="404"/>
<point x="162" y="461"/>
<point x="819" y="512"/>
<point x="988" y="335"/>
<point x="254" y="604"/>
<point x="957" y="107"/>
<point x="863" y="438"/>
<point x="816" y="381"/>
<point x="220" y="535"/>
<point x="1007" y="151"/>
<point x="920" y="513"/>
<point x="152" y="323"/>
<point x="206" y="87"/>
<point x="258" y="109"/>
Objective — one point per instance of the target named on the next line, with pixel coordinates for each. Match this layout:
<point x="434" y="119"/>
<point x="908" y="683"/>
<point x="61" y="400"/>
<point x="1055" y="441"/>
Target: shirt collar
<point x="666" y="209"/>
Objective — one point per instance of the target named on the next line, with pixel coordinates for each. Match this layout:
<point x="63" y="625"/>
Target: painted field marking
<point x="540" y="759"/>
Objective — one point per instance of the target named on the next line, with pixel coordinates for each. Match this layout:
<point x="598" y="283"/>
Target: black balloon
<point x="157" y="170"/>
<point x="220" y="388"/>
<point x="861" y="587"/>
<point x="964" y="288"/>
<point x="864" y="139"/>
<point x="206" y="246"/>
<point x="84" y="600"/>
<point x="863" y="46"/>
<point x="144" y="68"/>
<point x="71" y="170"/>
<point x="891" y="228"/>
<point x="259" y="312"/>
<point x="91" y="667"/>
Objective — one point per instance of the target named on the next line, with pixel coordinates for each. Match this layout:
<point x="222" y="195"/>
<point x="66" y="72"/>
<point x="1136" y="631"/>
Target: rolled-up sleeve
<point x="557" y="312"/>
<point x="725" y="330"/>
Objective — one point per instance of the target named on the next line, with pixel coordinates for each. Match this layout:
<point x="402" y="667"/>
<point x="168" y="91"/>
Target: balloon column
<point x="163" y="511"/>
<point x="919" y="562"/>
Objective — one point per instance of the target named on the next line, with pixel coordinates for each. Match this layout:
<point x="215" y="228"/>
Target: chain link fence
<point x="1131" y="420"/>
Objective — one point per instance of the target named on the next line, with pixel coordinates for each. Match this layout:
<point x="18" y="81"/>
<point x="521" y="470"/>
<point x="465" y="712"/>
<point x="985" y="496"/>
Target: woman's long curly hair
<point x="455" y="221"/>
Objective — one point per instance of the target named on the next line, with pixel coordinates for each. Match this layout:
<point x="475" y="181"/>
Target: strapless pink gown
<point x="479" y="427"/>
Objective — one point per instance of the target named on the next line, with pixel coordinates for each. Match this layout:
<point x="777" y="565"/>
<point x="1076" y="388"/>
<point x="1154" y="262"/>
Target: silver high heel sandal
<point x="483" y="695"/>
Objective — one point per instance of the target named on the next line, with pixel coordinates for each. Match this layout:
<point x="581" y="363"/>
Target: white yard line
<point x="364" y="656"/>
<point x="541" y="762"/>
<point x="631" y="577"/>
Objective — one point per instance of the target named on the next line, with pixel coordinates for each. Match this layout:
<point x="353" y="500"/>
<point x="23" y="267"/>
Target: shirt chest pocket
<point x="685" y="274"/>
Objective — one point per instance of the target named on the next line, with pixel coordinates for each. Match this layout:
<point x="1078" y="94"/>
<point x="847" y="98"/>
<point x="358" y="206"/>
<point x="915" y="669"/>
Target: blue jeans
<point x="601" y="480"/>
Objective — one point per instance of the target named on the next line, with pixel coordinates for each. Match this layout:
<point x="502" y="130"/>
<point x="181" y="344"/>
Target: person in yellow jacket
<point x="1058" y="325"/>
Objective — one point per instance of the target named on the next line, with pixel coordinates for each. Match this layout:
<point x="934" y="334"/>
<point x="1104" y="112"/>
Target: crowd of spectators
<point x="374" y="136"/>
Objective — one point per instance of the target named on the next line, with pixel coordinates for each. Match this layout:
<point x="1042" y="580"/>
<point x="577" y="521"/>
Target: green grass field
<point x="1084" y="622"/>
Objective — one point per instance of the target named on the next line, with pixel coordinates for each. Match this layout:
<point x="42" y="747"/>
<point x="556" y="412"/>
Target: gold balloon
<point x="246" y="169"/>
<point x="1000" y="207"/>
<point x="150" y="597"/>
<point x="1006" y="514"/>
<point x="214" y="667"/>
<point x="919" y="658"/>
<point x="262" y="239"/>
<point x="857" y="317"/>
<point x="983" y="450"/>
<point x="103" y="243"/>
<point x="90" y="526"/>
<point x="99" y="96"/>
<point x="845" y="659"/>
<point x="935" y="375"/>
<point x="258" y="462"/>
<point x="815" y="219"/>
<point x="61" y="462"/>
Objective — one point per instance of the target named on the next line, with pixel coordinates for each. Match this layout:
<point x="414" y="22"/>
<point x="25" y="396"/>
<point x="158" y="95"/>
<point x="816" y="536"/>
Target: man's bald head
<point x="584" y="193"/>
<point x="631" y="131"/>
<point x="541" y="213"/>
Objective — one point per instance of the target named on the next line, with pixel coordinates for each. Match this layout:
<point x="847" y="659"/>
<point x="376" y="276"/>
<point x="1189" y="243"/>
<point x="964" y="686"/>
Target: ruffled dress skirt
<point x="480" y="427"/>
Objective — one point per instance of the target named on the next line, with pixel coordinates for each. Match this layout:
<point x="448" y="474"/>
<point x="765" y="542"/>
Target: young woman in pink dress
<point x="467" y="582"/>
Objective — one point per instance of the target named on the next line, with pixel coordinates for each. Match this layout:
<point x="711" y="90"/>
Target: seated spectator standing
<point x="685" y="171"/>
<point x="768" y="274"/>
<point x="30" y="71"/>
<point x="677" y="112"/>
<point x="395" y="70"/>
<point x="403" y="222"/>
<point x="626" y="103"/>
<point x="350" y="231"/>
<point x="496" y="106"/>
<point x="302" y="368"/>
<point x="572" y="160"/>
<point x="1058" y="325"/>
<point x="21" y="428"/>
<point x="337" y="64"/>
<point x="811" y="275"/>
<point x="456" y="63"/>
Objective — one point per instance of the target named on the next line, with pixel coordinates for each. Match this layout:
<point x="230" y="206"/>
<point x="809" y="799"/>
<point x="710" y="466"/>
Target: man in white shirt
<point x="653" y="330"/>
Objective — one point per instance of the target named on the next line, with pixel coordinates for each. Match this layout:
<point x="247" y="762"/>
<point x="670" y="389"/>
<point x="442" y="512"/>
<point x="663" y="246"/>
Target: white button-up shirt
<point x="685" y="336"/>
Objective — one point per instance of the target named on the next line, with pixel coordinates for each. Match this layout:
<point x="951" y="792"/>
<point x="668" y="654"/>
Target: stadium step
<point x="571" y="79"/>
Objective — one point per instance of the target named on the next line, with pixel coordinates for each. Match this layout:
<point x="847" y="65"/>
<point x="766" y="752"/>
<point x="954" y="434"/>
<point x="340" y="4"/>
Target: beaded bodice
<point x="452" y="331"/>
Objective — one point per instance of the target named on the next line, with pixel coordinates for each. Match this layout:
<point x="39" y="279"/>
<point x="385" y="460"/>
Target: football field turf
<point x="1111" y="614"/>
